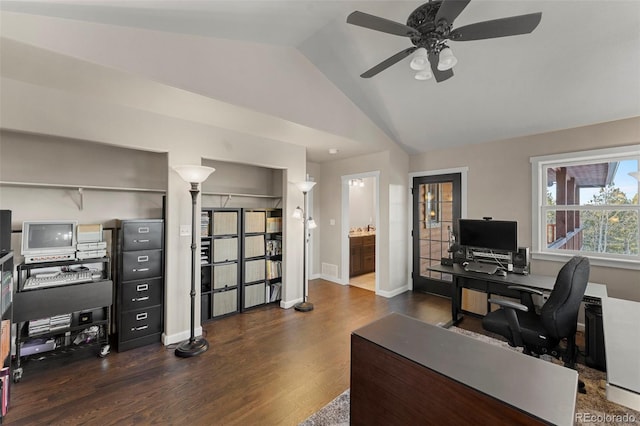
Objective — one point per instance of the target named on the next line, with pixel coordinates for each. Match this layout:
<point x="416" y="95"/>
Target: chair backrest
<point x="559" y="314"/>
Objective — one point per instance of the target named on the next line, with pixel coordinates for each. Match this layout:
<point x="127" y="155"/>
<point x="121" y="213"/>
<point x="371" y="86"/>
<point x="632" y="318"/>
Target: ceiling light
<point x="333" y="151"/>
<point x="423" y="75"/>
<point x="447" y="60"/>
<point x="420" y="60"/>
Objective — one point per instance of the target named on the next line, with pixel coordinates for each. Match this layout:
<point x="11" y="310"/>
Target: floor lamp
<point x="309" y="223"/>
<point x="193" y="175"/>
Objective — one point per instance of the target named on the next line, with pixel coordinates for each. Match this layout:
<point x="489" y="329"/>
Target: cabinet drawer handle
<point x="142" y="287"/>
<point x="142" y="327"/>
<point x="141" y="316"/>
<point x="140" y="241"/>
<point x="143" y="259"/>
<point x="143" y="230"/>
<point x="141" y="270"/>
<point x="140" y="299"/>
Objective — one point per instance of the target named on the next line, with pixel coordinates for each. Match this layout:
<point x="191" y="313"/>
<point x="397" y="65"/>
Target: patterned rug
<point x="592" y="408"/>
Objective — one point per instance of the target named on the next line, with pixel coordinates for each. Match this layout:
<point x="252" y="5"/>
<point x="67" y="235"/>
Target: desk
<point x="620" y="319"/>
<point x="494" y="284"/>
<point x="404" y="371"/>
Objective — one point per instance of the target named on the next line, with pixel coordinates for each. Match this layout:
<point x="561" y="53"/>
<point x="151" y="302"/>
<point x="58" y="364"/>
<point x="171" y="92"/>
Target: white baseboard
<point x="180" y="337"/>
<point x="392" y="293"/>
<point x="333" y="279"/>
<point x="290" y="303"/>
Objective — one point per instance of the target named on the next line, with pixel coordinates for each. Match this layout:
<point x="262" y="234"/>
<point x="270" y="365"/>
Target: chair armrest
<point x="509" y="304"/>
<point x="525" y="289"/>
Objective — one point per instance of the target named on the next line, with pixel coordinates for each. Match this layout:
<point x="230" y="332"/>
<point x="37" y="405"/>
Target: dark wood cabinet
<point x="362" y="254"/>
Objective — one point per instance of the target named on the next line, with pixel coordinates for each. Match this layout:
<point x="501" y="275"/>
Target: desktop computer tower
<point x="5" y="231"/>
<point x="594" y="337"/>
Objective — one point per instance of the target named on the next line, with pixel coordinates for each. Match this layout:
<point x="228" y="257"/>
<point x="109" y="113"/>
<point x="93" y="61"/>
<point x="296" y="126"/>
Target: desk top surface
<point x="620" y="321"/>
<point x="543" y="282"/>
<point x="545" y="390"/>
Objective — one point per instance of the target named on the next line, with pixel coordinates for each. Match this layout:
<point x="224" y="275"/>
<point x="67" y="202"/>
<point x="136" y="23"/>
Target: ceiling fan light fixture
<point x="423" y="75"/>
<point x="420" y="60"/>
<point x="447" y="60"/>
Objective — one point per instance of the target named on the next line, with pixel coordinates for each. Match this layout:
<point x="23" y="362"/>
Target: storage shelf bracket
<point x="81" y="201"/>
<point x="226" y="201"/>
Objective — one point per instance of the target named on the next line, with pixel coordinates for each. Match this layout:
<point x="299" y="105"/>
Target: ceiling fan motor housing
<point x="432" y="35"/>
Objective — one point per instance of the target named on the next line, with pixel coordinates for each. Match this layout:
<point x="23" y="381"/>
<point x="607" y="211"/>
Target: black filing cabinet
<point x="140" y="278"/>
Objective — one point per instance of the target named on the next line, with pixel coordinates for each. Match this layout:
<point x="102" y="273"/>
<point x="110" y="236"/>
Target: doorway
<point x="360" y="219"/>
<point x="436" y="206"/>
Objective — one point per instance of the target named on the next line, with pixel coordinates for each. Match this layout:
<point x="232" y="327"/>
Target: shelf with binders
<point x="220" y="262"/>
<point x="262" y="257"/>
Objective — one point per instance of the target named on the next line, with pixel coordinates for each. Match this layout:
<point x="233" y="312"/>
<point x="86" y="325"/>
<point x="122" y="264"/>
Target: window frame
<point x="539" y="207"/>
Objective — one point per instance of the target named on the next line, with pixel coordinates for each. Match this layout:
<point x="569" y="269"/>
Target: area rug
<point x="592" y="408"/>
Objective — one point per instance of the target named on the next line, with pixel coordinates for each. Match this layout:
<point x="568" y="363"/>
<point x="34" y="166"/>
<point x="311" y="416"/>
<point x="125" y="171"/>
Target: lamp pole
<point x="194" y="175"/>
<point x="304" y="306"/>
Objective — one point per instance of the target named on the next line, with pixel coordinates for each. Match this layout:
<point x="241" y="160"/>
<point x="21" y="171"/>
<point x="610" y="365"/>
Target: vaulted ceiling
<point x="300" y="61"/>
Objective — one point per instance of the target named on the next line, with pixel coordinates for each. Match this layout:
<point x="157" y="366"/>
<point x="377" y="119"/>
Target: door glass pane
<point x="435" y="225"/>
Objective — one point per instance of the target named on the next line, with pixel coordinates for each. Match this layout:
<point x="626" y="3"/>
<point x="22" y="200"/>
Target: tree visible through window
<point x="589" y="204"/>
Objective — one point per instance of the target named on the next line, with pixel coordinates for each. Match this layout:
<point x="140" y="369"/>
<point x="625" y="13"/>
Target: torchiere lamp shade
<point x="193" y="174"/>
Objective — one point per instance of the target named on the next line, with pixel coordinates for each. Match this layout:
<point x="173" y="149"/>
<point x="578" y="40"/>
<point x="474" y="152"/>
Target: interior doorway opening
<point x="360" y="230"/>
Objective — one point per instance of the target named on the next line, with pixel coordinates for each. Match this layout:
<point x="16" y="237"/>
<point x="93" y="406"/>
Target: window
<point x="587" y="203"/>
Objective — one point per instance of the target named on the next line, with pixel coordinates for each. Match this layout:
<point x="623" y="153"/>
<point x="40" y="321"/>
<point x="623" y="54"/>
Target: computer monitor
<point x="48" y="237"/>
<point x="499" y="235"/>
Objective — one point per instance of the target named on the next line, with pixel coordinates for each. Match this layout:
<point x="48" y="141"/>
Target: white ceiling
<point x="580" y="66"/>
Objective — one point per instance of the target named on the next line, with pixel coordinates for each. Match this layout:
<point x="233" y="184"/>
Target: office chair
<point x="542" y="333"/>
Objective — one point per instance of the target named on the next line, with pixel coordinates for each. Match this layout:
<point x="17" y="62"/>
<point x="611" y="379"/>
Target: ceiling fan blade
<point x="450" y="9"/>
<point x="504" y="27"/>
<point x="437" y="74"/>
<point x="388" y="62"/>
<point x="380" y="24"/>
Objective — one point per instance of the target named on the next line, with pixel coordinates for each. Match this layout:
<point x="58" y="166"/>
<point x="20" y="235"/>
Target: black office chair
<point x="558" y="318"/>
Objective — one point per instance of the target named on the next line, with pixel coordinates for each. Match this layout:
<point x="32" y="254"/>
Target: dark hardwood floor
<point x="268" y="366"/>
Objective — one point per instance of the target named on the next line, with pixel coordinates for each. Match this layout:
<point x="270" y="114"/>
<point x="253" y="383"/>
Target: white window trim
<point x="538" y="180"/>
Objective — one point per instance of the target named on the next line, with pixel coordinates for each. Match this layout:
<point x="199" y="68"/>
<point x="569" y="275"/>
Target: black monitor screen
<point x="488" y="234"/>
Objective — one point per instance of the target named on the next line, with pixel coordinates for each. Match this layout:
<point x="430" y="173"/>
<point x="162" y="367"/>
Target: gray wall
<point x="499" y="184"/>
<point x="48" y="172"/>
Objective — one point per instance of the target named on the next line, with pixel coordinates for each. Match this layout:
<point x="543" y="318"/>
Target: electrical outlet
<point x="185" y="230"/>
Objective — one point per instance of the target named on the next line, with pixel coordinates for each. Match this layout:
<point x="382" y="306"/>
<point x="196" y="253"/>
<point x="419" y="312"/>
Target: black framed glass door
<point x="436" y="210"/>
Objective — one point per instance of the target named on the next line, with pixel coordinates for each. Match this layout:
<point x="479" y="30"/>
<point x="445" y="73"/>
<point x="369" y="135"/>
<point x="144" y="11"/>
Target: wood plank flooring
<point x="268" y="366"/>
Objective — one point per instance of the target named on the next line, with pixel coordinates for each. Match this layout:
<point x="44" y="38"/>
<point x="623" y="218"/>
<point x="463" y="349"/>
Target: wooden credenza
<point x="407" y="372"/>
<point x="362" y="254"/>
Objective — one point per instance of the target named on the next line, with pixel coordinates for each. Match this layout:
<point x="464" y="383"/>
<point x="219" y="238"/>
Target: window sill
<point x="593" y="260"/>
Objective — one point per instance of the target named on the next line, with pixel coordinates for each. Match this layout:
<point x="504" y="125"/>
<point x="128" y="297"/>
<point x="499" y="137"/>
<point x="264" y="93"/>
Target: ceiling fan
<point x="430" y="27"/>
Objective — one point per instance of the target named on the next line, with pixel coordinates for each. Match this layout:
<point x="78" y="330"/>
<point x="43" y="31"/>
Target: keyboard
<point x="56" y="279"/>
<point x="483" y="268"/>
